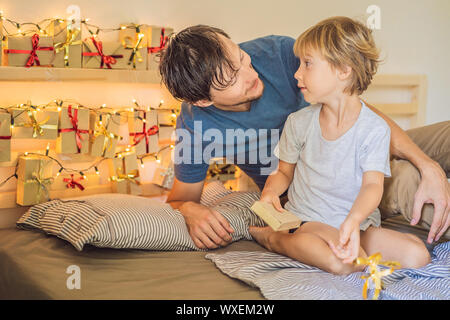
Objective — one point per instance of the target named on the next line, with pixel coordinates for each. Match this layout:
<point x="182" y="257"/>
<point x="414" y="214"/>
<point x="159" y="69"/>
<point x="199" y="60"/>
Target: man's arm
<point x="207" y="228"/>
<point x="433" y="188"/>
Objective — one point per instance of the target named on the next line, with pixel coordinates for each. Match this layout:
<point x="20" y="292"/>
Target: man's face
<point x="245" y="86"/>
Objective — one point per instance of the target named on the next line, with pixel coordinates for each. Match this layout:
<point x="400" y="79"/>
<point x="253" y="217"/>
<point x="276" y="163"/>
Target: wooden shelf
<point x="78" y="75"/>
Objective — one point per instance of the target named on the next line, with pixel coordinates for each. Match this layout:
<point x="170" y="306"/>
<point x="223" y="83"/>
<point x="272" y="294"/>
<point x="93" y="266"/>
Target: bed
<point x="33" y="265"/>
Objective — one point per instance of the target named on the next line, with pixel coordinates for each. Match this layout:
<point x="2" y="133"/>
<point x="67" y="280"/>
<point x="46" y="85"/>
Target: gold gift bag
<point x="28" y="51"/>
<point x="106" y="134"/>
<point x="5" y="136"/>
<point x="34" y="177"/>
<point x="30" y="123"/>
<point x="157" y="40"/>
<point x="98" y="54"/>
<point x="125" y="174"/>
<point x="67" y="44"/>
<point x="143" y="128"/>
<point x="74" y="131"/>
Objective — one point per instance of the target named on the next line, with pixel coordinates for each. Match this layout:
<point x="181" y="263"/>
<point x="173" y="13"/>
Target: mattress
<point x="34" y="266"/>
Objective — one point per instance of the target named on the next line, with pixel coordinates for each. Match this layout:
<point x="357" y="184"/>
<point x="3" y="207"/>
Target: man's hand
<point x="207" y="228"/>
<point x="433" y="188"/>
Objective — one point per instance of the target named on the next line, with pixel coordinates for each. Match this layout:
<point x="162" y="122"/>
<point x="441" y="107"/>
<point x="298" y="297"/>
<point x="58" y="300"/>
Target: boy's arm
<point x="277" y="183"/>
<point x="366" y="202"/>
<point x="433" y="187"/>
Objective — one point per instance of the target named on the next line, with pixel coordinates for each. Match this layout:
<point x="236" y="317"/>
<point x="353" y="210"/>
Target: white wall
<point x="414" y="35"/>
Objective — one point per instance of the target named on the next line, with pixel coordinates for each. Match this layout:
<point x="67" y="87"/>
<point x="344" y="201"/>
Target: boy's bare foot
<point x="261" y="235"/>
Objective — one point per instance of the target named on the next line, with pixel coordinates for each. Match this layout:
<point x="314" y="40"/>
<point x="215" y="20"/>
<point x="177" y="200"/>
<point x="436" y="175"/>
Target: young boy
<point x="333" y="157"/>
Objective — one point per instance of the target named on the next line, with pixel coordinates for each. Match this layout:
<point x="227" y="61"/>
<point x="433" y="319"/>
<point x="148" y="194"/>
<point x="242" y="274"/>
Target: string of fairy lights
<point x="42" y="26"/>
<point x="99" y="111"/>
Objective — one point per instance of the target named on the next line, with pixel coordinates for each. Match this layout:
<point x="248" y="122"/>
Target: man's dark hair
<point x="194" y="61"/>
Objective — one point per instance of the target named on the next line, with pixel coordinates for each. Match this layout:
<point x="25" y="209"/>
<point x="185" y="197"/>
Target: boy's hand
<point x="271" y="197"/>
<point x="348" y="247"/>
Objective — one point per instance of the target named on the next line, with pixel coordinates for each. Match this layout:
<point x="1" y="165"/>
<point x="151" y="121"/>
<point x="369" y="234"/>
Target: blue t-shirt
<point x="245" y="138"/>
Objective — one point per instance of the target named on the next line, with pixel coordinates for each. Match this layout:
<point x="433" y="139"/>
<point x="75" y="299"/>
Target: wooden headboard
<point x="416" y="89"/>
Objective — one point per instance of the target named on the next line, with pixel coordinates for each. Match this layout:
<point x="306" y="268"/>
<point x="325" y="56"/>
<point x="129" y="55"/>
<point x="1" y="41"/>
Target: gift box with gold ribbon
<point x="99" y="54"/>
<point x="143" y="129"/>
<point x="34" y="177"/>
<point x="29" y="123"/>
<point x="5" y="136"/>
<point x="124" y="174"/>
<point x="67" y="44"/>
<point x="133" y="38"/>
<point x="28" y="51"/>
<point x="157" y="40"/>
<point x="105" y="135"/>
<point x="74" y="130"/>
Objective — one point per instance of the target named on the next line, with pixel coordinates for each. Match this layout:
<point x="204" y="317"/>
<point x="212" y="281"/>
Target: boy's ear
<point x="344" y="72"/>
<point x="203" y="103"/>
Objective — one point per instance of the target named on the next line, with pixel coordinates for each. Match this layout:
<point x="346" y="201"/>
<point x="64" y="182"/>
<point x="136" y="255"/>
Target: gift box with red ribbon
<point x="5" y="136"/>
<point x="74" y="130"/>
<point x="67" y="44"/>
<point x="104" y="54"/>
<point x="157" y="40"/>
<point x="29" y="51"/>
<point x="143" y="129"/>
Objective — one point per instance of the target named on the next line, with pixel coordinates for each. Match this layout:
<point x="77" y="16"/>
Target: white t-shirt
<point x="328" y="174"/>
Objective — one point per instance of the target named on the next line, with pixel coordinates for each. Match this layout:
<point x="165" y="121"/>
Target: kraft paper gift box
<point x="73" y="130"/>
<point x="105" y="135"/>
<point x="67" y="44"/>
<point x="164" y="176"/>
<point x="167" y="117"/>
<point x="32" y="124"/>
<point x="2" y="46"/>
<point x="34" y="178"/>
<point x="28" y="51"/>
<point x="136" y="44"/>
<point x="132" y="31"/>
<point x="5" y="136"/>
<point x="99" y="54"/>
<point x="125" y="174"/>
<point x="157" y="39"/>
<point x="143" y="135"/>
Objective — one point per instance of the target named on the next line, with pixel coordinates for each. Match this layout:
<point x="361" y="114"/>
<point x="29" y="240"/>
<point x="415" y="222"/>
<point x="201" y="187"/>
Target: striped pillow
<point x="128" y="221"/>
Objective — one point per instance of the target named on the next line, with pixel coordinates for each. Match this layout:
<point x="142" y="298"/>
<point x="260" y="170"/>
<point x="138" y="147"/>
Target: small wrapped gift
<point x="157" y="40"/>
<point x="5" y="136"/>
<point x="164" y="176"/>
<point x="98" y="54"/>
<point x="67" y="44"/>
<point x="143" y="128"/>
<point x="166" y="134"/>
<point x="167" y="117"/>
<point x="74" y="131"/>
<point x="125" y="174"/>
<point x="136" y="53"/>
<point x="28" y="51"/>
<point x="106" y="134"/>
<point x="34" y="177"/>
<point x="30" y="123"/>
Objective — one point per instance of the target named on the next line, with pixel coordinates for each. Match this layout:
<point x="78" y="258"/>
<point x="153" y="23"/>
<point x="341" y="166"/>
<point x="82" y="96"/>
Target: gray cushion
<point x="128" y="221"/>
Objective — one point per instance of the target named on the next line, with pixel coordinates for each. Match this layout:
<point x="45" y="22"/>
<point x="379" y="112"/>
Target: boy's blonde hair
<point x="343" y="42"/>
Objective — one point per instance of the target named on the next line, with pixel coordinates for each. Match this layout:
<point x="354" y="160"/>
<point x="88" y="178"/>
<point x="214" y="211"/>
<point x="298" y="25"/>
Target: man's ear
<point x="203" y="103"/>
<point x="344" y="73"/>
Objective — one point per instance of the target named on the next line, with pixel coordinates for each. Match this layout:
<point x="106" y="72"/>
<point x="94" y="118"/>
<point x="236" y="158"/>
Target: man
<point x="246" y="91"/>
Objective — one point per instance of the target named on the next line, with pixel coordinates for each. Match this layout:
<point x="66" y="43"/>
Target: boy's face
<point x="317" y="80"/>
<point x="245" y="87"/>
